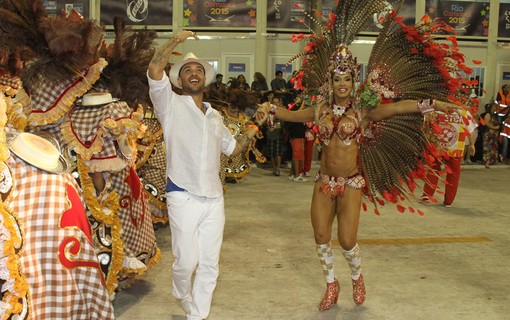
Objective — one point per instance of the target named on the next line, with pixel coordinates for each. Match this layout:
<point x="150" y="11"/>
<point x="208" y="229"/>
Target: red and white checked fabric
<point x="86" y="130"/>
<point x="151" y="168"/>
<point x="137" y="229"/>
<point x="58" y="258"/>
<point x="153" y="177"/>
<point x="51" y="101"/>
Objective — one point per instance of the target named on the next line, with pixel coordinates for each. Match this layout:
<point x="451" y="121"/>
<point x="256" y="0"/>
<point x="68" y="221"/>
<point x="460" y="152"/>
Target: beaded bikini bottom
<point x="335" y="186"/>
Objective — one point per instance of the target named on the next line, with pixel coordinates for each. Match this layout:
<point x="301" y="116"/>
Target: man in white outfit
<point x="195" y="137"/>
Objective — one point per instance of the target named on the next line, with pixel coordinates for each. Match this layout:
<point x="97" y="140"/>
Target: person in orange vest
<point x="503" y="99"/>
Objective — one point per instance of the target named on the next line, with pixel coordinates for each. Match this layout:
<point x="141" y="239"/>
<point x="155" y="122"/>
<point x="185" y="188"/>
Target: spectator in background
<point x="503" y="99"/>
<point x="278" y="84"/>
<point x="259" y="84"/>
<point x="274" y="140"/>
<point x="243" y="85"/>
<point x="217" y="89"/>
<point x="478" y="157"/>
<point x="303" y="101"/>
<point x="490" y="136"/>
<point x="296" y="131"/>
<point x="470" y="140"/>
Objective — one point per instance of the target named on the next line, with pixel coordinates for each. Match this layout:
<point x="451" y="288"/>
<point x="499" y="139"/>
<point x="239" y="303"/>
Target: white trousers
<point x="197" y="226"/>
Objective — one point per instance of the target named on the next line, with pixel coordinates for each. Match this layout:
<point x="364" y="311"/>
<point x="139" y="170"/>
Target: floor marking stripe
<point x="430" y="240"/>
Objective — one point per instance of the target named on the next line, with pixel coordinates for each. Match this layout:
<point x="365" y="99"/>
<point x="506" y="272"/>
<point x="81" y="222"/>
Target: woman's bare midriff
<point x="339" y="159"/>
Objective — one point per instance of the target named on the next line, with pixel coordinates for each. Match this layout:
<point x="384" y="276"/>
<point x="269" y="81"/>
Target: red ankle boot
<point x="358" y="290"/>
<point x="331" y="296"/>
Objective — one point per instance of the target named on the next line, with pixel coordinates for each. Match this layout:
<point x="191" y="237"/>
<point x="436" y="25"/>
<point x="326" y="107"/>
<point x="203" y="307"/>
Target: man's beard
<point x="192" y="89"/>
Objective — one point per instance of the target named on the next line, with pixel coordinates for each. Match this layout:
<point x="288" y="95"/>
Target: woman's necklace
<point x="338" y="111"/>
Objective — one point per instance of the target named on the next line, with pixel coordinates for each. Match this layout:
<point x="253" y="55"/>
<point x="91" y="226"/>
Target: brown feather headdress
<point x="128" y="59"/>
<point x="56" y="57"/>
<point x="328" y="51"/>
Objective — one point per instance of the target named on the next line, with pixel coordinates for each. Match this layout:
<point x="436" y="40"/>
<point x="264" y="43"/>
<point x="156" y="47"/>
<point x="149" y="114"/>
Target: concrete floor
<point x="452" y="263"/>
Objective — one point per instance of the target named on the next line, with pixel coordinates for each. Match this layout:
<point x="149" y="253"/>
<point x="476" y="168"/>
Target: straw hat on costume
<point x="189" y="58"/>
<point x="37" y="151"/>
<point x="94" y="99"/>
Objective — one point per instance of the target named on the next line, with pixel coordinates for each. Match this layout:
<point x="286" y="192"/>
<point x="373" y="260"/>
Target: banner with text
<point x="468" y="18"/>
<point x="220" y="13"/>
<point x="287" y="14"/>
<point x="138" y="12"/>
<point x="504" y="20"/>
<point x="56" y="7"/>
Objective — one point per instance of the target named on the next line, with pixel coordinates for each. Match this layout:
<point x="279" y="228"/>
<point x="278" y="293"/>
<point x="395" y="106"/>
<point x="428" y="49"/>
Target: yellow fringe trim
<point x="115" y="127"/>
<point x="75" y="144"/>
<point x="153" y="137"/>
<point x="133" y="273"/>
<point x="23" y="98"/>
<point x="97" y="209"/>
<point x="156" y="219"/>
<point x="146" y="152"/>
<point x="154" y="260"/>
<point x="13" y="298"/>
<point x="8" y="90"/>
<point x="108" y="165"/>
<point x="156" y="202"/>
<point x="68" y="98"/>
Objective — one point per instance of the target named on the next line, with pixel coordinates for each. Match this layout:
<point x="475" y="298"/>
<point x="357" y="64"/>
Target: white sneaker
<point x="300" y="178"/>
<point x="307" y="174"/>
<point x="291" y="177"/>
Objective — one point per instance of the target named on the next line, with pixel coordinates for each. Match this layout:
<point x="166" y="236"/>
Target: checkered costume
<point x="58" y="257"/>
<point x="138" y="233"/>
<point x="123" y="232"/>
<point x="95" y="132"/>
<point x="151" y="166"/>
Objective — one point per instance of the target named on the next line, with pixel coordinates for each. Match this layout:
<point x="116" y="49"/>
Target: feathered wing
<point x="411" y="62"/>
<point x="407" y="62"/>
<point x="392" y="157"/>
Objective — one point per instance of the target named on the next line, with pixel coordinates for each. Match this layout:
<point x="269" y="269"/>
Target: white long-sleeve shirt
<point x="194" y="140"/>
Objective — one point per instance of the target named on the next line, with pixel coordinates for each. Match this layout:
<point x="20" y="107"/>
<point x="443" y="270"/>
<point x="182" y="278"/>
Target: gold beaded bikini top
<point x="346" y="126"/>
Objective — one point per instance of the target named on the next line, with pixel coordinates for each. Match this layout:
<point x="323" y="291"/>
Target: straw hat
<point x="188" y="58"/>
<point x="96" y="99"/>
<point x="37" y="151"/>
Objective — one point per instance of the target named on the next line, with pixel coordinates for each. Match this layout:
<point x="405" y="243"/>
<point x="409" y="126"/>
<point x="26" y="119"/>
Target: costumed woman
<point x="359" y="152"/>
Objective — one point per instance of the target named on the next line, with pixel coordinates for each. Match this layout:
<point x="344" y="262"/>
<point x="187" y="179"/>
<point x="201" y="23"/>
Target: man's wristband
<point x="256" y="126"/>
